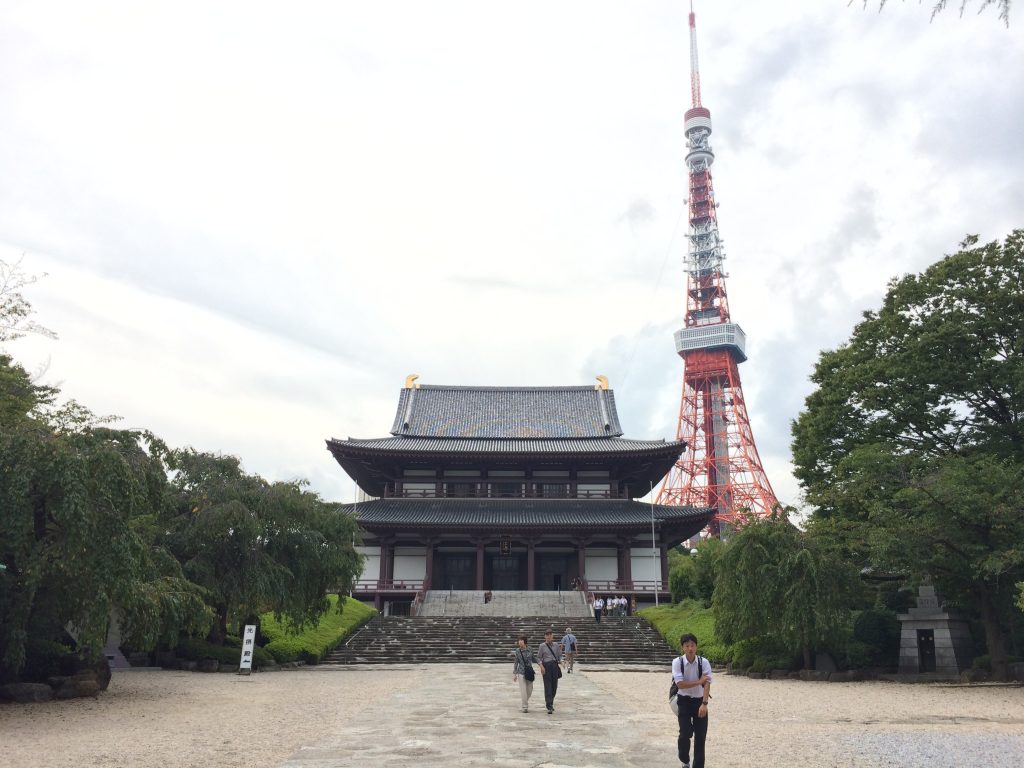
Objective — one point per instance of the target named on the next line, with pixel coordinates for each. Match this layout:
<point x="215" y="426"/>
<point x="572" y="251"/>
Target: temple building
<point x="511" y="488"/>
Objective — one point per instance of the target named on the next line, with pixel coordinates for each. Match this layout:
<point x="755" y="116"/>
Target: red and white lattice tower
<point x="721" y="467"/>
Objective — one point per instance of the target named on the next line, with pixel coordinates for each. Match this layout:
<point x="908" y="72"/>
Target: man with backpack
<point x="569" y="647"/>
<point x="691" y="675"/>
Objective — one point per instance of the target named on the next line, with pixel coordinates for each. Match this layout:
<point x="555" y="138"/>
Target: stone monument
<point x="933" y="641"/>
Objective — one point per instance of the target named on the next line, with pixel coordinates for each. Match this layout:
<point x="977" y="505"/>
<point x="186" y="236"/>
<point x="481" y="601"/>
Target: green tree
<point x="76" y="505"/>
<point x="911" y="449"/>
<point x="776" y="581"/>
<point x="74" y="543"/>
<point x="682" y="576"/>
<point x="257" y="546"/>
<point x="692" y="575"/>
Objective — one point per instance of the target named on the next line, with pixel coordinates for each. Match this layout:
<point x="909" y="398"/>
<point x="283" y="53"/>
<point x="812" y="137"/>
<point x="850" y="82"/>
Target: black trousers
<point x="691" y="726"/>
<point x="597" y="615"/>
<point x="550" y="683"/>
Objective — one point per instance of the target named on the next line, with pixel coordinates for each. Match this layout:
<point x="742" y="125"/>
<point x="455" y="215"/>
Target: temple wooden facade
<point x="512" y="488"/>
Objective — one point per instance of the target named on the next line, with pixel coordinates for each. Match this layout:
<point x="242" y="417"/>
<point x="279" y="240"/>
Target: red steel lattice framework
<point x="721" y="467"/>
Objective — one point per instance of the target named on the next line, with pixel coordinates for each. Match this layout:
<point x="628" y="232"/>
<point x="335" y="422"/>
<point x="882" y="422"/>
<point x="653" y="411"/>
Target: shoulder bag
<point x="558" y="667"/>
<point x="528" y="673"/>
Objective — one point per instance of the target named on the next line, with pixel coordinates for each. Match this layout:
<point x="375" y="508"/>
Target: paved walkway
<point x="469" y="716"/>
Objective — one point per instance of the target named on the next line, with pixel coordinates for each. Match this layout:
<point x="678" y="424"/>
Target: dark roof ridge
<point x="609" y="438"/>
<point x="495" y="388"/>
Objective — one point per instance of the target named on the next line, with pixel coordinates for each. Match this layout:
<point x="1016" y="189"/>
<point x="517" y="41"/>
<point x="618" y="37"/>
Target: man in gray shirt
<point x="549" y="654"/>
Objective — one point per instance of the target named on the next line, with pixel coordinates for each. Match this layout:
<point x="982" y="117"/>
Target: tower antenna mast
<point x="694" y="65"/>
<point x="721" y="467"/>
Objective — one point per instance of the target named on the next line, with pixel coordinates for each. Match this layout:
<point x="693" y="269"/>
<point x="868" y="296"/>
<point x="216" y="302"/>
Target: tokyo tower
<point x="721" y="468"/>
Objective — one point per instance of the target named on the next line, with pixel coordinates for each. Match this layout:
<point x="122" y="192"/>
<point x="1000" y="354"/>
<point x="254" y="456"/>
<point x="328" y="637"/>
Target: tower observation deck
<point x="722" y="468"/>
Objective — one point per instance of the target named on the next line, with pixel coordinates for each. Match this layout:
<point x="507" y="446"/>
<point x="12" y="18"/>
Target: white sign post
<point x="248" y="646"/>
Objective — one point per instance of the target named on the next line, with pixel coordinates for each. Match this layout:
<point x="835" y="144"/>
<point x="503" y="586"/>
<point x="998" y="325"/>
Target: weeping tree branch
<point x="940" y="5"/>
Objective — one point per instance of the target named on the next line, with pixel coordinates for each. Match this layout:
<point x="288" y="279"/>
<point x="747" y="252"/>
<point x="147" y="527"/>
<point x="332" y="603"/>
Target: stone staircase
<point x="434" y="639"/>
<point x="504" y="603"/>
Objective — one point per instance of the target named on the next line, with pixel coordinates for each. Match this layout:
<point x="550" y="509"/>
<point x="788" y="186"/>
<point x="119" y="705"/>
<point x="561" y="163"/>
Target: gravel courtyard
<point x="468" y="714"/>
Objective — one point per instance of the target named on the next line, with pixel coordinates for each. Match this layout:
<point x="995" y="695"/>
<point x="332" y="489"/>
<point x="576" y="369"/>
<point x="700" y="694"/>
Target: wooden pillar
<point x="385" y="556"/>
<point x="480" y="565"/>
<point x="391" y="560"/>
<point x="428" y="578"/>
<point x="664" y="566"/>
<point x="626" y="563"/>
<point x="531" y="564"/>
<point x="581" y="559"/>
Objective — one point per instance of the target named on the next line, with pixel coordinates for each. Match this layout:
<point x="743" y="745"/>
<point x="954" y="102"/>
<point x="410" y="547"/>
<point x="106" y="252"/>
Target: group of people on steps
<point x="690" y="694"/>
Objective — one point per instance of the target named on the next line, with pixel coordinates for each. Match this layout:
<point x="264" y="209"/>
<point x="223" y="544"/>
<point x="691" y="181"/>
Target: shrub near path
<point x="313" y="643"/>
<point x="672" y="621"/>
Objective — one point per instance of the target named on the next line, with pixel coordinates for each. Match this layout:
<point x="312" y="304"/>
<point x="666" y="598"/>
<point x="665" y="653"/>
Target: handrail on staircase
<point x="417" y="601"/>
<point x="588" y="595"/>
<point x="639" y="631"/>
<point x="373" y="623"/>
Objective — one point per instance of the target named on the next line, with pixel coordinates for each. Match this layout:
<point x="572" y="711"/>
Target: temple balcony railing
<point x="484" y="493"/>
<point x="613" y="588"/>
<point x="411" y="586"/>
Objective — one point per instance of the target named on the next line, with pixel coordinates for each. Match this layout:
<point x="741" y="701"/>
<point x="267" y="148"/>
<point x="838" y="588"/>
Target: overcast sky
<point x="256" y="220"/>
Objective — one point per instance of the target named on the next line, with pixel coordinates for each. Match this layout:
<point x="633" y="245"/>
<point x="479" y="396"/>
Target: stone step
<point x="438" y="603"/>
<point x="424" y="639"/>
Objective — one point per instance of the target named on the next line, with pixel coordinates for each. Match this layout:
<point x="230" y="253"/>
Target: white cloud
<point x="257" y="222"/>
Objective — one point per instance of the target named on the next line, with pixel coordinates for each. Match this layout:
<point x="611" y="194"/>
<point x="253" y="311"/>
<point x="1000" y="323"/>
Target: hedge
<point x="313" y="643"/>
<point x="672" y="621"/>
<point x="196" y="650"/>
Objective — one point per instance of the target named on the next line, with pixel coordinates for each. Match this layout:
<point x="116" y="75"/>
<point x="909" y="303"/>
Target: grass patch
<point x="672" y="621"/>
<point x="313" y="643"/>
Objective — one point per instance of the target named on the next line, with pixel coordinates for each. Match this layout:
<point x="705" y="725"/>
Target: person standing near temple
<point x="569" y="647"/>
<point x="598" y="605"/>
<point x="692" y="676"/>
<point x="522" y="671"/>
<point x="549" y="654"/>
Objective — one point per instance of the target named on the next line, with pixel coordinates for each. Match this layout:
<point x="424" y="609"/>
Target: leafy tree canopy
<point x="256" y="546"/>
<point x="74" y="543"/>
<point x="777" y="581"/>
<point x="912" y="448"/>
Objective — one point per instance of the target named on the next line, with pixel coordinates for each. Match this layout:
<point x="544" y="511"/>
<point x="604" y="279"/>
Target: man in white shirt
<point x="598" y="605"/>
<point x="692" y="675"/>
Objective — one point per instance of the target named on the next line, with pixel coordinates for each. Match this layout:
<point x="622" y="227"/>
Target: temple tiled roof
<point x="534" y="513"/>
<point x="436" y="411"/>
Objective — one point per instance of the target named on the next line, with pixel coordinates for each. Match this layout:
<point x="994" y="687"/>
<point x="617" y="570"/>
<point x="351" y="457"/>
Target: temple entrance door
<point x="507" y="572"/>
<point x="552" y="572"/>
<point x="926" y="650"/>
<point x="457" y="570"/>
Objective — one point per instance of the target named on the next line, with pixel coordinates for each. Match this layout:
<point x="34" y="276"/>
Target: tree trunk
<point x="993" y="633"/>
<point x="219" y="631"/>
<point x="808" y="662"/>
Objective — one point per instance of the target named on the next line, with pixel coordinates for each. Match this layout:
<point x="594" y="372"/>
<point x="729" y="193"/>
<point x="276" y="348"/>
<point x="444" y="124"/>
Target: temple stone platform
<point x="504" y="603"/>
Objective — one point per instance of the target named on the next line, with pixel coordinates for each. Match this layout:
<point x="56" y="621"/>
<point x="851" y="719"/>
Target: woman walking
<point x="523" y="670"/>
